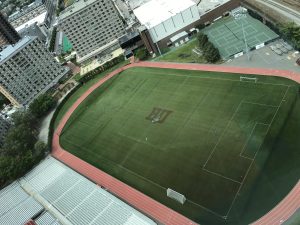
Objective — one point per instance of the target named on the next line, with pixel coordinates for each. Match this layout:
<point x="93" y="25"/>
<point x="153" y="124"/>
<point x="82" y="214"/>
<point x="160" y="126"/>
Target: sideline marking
<point x="210" y="78"/>
<point x="238" y="192"/>
<point x="220" y="175"/>
<point x="220" y="137"/>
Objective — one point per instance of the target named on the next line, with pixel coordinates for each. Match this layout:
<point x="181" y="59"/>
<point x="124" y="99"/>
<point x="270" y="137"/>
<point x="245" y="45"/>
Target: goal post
<point x="248" y="79"/>
<point x="176" y="196"/>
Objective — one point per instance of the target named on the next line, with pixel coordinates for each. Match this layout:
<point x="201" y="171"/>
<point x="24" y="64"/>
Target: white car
<point x="288" y="47"/>
<point x="273" y="48"/>
<point x="278" y="51"/>
<point x="284" y="50"/>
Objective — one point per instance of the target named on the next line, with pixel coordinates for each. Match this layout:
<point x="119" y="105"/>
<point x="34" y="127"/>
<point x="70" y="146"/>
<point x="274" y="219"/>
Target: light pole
<point x="240" y="14"/>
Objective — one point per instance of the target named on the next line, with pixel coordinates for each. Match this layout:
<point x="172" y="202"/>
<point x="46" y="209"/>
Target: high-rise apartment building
<point x="93" y="27"/>
<point x="27" y="70"/>
<point x="8" y="35"/>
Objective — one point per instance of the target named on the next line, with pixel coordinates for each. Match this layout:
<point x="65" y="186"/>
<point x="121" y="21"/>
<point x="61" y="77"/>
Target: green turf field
<point x="227" y="34"/>
<point x="206" y="135"/>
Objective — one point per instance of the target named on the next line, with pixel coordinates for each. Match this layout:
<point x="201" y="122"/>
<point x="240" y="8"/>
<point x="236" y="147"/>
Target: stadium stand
<point x="53" y="194"/>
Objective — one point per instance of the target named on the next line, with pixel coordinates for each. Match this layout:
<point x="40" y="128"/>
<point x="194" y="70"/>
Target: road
<point x="282" y="9"/>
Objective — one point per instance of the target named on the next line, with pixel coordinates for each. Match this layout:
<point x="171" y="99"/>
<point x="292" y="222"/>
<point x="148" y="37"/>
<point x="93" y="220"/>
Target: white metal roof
<point x="155" y="12"/>
<point x="69" y="197"/>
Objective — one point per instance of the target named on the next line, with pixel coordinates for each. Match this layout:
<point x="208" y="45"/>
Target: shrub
<point x="202" y="39"/>
<point x="210" y="52"/>
<point x="42" y="105"/>
<point x="141" y="53"/>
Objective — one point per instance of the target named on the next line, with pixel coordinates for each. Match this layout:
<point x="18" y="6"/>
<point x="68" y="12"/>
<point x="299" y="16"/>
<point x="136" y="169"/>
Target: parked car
<point x="272" y="47"/>
<point x="288" y="47"/>
<point x="284" y="50"/>
<point x="278" y="51"/>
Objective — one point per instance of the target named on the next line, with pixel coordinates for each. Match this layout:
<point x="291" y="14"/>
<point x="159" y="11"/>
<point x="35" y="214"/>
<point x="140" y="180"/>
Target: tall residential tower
<point x="8" y="35"/>
<point x="93" y="27"/>
<point x="27" y="70"/>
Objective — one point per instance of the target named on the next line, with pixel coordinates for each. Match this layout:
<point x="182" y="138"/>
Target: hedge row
<point x="57" y="110"/>
<point x="90" y="75"/>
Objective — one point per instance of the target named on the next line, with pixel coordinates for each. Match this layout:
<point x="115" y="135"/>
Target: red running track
<point x="147" y="205"/>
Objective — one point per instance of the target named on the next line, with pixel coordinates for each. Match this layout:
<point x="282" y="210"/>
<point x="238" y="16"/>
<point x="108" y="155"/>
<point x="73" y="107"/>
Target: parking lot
<point x="267" y="58"/>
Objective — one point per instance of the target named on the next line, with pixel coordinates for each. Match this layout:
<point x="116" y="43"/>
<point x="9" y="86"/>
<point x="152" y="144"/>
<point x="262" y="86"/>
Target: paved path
<point x="139" y="200"/>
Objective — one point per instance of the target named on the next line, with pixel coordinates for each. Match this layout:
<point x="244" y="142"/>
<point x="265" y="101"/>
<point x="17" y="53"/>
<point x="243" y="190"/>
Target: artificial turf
<point x="210" y="147"/>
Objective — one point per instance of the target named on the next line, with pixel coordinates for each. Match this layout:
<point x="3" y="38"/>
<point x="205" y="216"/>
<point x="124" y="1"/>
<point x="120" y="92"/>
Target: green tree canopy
<point x="211" y="53"/>
<point x="202" y="39"/>
<point x="291" y="31"/>
<point x="42" y="105"/>
<point x="141" y="53"/>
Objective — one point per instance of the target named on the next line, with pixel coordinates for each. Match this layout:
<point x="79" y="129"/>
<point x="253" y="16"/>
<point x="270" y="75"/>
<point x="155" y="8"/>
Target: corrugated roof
<point x="46" y="219"/>
<point x="10" y="197"/>
<point x="22" y="212"/>
<point x="155" y="12"/>
<point x="74" y="199"/>
<point x="78" y="199"/>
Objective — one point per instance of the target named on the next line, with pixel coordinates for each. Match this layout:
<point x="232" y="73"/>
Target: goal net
<point x="176" y="196"/>
<point x="248" y="79"/>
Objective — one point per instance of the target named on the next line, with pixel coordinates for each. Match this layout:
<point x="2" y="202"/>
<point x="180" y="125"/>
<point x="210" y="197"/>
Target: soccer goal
<point x="248" y="79"/>
<point x="176" y="196"/>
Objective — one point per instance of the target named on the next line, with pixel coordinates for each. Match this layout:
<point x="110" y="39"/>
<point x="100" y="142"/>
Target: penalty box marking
<point x="249" y="138"/>
<point x="223" y="133"/>
<point x="229" y="122"/>
<point x="245" y="177"/>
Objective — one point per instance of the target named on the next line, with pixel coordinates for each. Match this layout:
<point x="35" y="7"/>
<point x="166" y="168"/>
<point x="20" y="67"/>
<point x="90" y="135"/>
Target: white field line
<point x="261" y="104"/>
<point x="209" y="210"/>
<point x="246" y="142"/>
<point x="245" y="157"/>
<point x="164" y="188"/>
<point x="214" y="148"/>
<point x="220" y="175"/>
<point x="282" y="100"/>
<point x="241" y="153"/>
<point x="215" y="78"/>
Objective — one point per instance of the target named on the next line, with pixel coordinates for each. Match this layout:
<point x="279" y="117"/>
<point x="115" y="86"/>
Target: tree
<point x="211" y="53"/>
<point x="40" y="148"/>
<point x="200" y="26"/>
<point x="3" y="100"/>
<point x="141" y="53"/>
<point x="42" y="105"/>
<point x="202" y="39"/>
<point x="19" y="139"/>
<point x="52" y="40"/>
<point x="291" y="31"/>
<point x="6" y="167"/>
